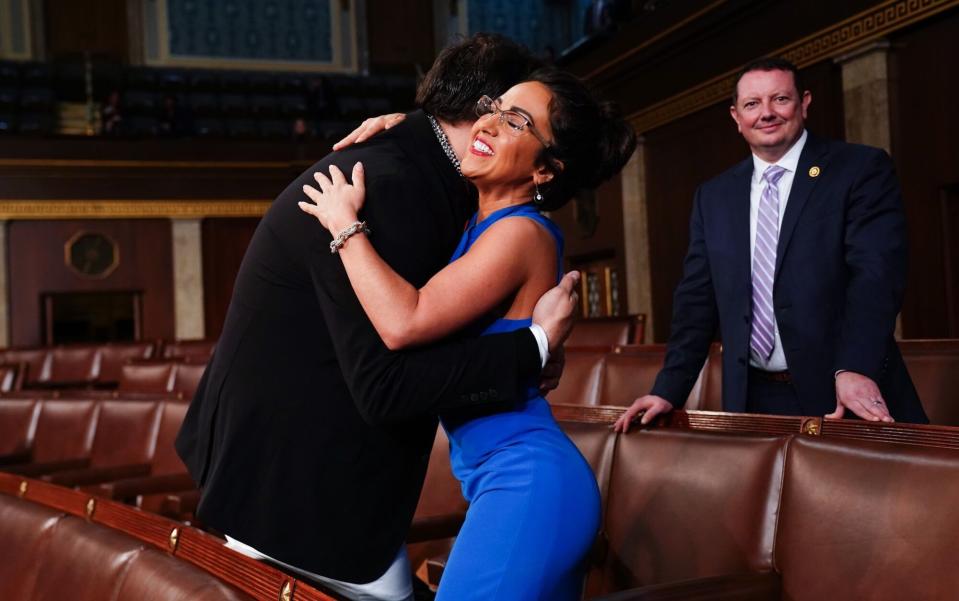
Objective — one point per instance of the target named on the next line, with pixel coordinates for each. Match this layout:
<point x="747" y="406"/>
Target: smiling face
<point x="503" y="161"/>
<point x="770" y="112"/>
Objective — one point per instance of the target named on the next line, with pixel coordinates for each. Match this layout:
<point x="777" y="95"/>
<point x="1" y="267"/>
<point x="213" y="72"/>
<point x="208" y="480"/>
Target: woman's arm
<point x="510" y="253"/>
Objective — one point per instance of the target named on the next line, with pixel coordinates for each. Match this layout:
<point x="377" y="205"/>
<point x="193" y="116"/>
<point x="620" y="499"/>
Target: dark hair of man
<point x="590" y="139"/>
<point x="769" y="64"/>
<point x="484" y="63"/>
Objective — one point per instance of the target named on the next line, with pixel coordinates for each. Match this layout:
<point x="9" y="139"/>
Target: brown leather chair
<point x="862" y="520"/>
<point x="26" y="532"/>
<point x="581" y="380"/>
<point x="63" y="438"/>
<point x="934" y="368"/>
<point x="167" y="472"/>
<point x="711" y="381"/>
<point x="123" y="445"/>
<point x="37" y="361"/>
<point x="114" y="356"/>
<point x="186" y="378"/>
<point x="631" y="372"/>
<point x="607" y="331"/>
<point x="18" y="421"/>
<point x="64" y="557"/>
<point x="11" y="377"/>
<point x="71" y="366"/>
<point x="153" y="377"/>
<point x="686" y="505"/>
<point x="198" y="351"/>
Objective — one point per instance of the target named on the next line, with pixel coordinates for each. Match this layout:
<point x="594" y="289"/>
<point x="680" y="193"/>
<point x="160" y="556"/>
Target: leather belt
<point x="772" y="376"/>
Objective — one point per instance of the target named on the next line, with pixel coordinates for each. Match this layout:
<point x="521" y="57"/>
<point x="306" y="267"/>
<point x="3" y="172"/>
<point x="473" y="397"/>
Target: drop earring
<point x="537" y="197"/>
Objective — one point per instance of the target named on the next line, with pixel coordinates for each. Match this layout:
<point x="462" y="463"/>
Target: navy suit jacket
<point x="839" y="281"/>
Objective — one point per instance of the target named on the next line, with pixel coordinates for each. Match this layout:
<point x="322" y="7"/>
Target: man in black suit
<point x="798" y="256"/>
<point x="309" y="439"/>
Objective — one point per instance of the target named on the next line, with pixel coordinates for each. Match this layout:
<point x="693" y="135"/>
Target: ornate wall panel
<point x="536" y="23"/>
<point x="315" y="35"/>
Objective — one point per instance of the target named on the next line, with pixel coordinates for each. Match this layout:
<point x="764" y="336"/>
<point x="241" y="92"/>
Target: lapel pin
<point x="814" y="171"/>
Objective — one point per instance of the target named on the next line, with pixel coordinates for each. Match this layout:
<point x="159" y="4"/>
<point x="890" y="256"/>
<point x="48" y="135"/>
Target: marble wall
<point x="15" y="32"/>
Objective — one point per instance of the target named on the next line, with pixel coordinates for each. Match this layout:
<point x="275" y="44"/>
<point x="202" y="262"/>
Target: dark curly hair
<point x="484" y="63"/>
<point x="591" y="142"/>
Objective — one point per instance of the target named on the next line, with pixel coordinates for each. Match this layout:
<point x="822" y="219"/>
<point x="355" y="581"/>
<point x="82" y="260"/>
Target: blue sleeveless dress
<point x="534" y="504"/>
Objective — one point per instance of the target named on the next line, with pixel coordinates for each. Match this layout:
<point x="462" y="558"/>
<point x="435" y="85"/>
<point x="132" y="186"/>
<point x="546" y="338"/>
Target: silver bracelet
<point x="357" y="227"/>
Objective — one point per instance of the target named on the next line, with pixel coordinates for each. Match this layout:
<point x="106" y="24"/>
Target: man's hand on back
<point x="554" y="311"/>
<point x="552" y="371"/>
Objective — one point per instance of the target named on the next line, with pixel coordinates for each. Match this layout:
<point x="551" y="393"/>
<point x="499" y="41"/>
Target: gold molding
<point x="131" y="209"/>
<point x="139" y="164"/>
<point x="831" y="42"/>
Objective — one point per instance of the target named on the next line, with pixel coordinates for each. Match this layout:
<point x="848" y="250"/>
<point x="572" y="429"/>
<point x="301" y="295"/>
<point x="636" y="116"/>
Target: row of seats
<point x="608" y="331"/>
<point x="594" y="376"/>
<point x="63" y="544"/>
<point x="704" y="515"/>
<point x="223" y="103"/>
<point x="83" y="365"/>
<point x="81" y="442"/>
<point x="597" y="377"/>
<point x="678" y="504"/>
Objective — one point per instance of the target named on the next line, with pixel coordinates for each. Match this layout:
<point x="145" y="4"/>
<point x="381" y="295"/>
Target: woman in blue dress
<point x="534" y="505"/>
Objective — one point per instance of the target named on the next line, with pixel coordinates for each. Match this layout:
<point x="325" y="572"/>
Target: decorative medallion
<point x="814" y="171"/>
<point x="91" y="255"/>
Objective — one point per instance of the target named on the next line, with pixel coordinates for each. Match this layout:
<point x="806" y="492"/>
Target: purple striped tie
<point x="764" y="264"/>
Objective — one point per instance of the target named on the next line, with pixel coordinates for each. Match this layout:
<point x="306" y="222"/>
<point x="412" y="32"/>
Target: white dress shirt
<point x="789" y="162"/>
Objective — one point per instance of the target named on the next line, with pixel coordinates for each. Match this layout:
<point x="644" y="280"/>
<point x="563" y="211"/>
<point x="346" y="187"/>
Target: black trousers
<point x="773" y="397"/>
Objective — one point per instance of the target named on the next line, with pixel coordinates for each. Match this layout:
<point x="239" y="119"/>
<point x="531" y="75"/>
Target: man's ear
<point x="735" y="116"/>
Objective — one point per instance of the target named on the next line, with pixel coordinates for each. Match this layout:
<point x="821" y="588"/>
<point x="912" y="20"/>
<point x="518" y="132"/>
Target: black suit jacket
<point x="310" y="439"/>
<point x="839" y="281"/>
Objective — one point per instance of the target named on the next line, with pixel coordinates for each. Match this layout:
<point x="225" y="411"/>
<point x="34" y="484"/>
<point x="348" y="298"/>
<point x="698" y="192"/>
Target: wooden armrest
<point x="21" y="457"/>
<point x="435" y="527"/>
<point x="766" y="586"/>
<point x="38" y="469"/>
<point x="435" y="566"/>
<point x="93" y="475"/>
<point x="180" y="504"/>
<point x="129" y="488"/>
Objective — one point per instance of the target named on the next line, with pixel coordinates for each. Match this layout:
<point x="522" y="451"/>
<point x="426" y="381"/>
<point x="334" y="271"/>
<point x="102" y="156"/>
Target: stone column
<point x="4" y="292"/>
<point x="188" y="278"/>
<point x="639" y="292"/>
<point x="866" y="90"/>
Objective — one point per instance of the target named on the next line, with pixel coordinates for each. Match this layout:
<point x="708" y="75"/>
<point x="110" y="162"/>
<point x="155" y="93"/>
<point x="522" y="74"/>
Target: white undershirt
<point x="789" y="162"/>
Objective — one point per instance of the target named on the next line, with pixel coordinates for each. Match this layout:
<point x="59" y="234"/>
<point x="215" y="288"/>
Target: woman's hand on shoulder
<point x="369" y="128"/>
<point x="337" y="202"/>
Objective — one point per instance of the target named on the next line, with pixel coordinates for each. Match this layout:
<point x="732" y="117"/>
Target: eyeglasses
<point x="516" y="121"/>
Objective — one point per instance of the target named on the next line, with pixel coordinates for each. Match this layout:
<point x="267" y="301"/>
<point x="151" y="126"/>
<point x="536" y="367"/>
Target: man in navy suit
<point x="798" y="256"/>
